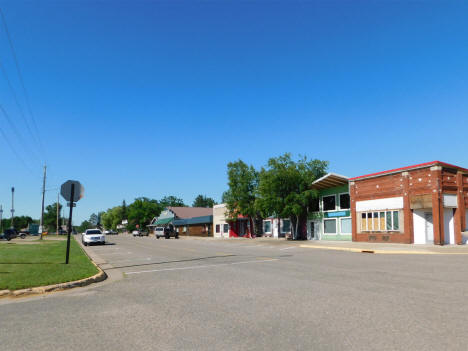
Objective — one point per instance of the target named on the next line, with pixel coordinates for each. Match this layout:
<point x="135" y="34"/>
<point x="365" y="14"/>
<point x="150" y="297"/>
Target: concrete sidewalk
<point x="378" y="248"/>
<point x="387" y="248"/>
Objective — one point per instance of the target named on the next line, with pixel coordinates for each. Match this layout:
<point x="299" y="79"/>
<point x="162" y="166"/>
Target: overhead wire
<point x="15" y="130"/>
<point x="20" y="76"/>
<point x="18" y="156"/>
<point x="15" y="97"/>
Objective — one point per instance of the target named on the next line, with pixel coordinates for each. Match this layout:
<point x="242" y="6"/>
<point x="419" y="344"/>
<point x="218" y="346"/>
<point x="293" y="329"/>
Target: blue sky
<point x="154" y="98"/>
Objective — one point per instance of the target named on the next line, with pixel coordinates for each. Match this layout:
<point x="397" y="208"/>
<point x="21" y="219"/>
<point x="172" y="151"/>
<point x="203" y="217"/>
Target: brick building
<point x="420" y="204"/>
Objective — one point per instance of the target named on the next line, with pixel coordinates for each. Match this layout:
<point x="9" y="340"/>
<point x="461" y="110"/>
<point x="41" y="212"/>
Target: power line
<point x="15" y="97"/>
<point x="10" y="145"/>
<point x="13" y="127"/>
<point x="26" y="96"/>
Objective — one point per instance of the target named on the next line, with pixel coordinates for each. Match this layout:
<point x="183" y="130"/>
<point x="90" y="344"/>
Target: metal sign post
<point x="71" y="191"/>
<point x="70" y="223"/>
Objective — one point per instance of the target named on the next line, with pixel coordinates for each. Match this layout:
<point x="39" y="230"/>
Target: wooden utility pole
<point x="41" y="226"/>
<point x="12" y="206"/>
<point x="58" y="204"/>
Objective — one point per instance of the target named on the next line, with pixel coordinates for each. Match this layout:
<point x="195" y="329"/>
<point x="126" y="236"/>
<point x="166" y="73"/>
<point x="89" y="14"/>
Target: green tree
<point x="203" y="201"/>
<point x="241" y="195"/>
<point x="50" y="216"/>
<point x="172" y="201"/>
<point x="83" y="226"/>
<point x="284" y="189"/>
<point x="142" y="211"/>
<point x="20" y="222"/>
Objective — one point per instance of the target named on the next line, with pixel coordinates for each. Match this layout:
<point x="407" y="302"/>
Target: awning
<point x="329" y="181"/>
<point x="163" y="221"/>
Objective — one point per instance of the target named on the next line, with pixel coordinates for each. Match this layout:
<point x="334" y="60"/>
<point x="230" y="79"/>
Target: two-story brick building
<point x="420" y="204"/>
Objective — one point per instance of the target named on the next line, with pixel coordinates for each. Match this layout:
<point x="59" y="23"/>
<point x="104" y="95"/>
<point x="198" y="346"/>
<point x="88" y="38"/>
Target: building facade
<point x="419" y="204"/>
<point x="225" y="227"/>
<point x="194" y="221"/>
<point x="330" y="218"/>
<point x="277" y="227"/>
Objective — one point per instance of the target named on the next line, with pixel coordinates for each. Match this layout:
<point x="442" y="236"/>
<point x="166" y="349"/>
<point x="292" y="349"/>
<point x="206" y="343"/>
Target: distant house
<point x="191" y="221"/>
<point x="331" y="215"/>
<point x="225" y="227"/>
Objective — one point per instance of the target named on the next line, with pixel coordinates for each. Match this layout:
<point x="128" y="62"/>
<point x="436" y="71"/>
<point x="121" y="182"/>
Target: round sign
<point x="65" y="190"/>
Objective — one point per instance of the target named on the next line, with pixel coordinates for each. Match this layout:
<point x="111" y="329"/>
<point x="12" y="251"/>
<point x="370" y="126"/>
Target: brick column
<point x="437" y="205"/>
<point x="352" y="194"/>
<point x="459" y="216"/>
<point x="407" y="213"/>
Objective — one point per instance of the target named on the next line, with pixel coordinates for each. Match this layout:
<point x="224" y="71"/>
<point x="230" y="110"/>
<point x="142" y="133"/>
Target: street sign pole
<point x="70" y="221"/>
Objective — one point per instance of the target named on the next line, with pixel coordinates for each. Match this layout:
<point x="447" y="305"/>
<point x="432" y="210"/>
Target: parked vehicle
<point x="139" y="233"/>
<point x="110" y="232"/>
<point x="93" y="236"/>
<point x="166" y="232"/>
<point x="11" y="233"/>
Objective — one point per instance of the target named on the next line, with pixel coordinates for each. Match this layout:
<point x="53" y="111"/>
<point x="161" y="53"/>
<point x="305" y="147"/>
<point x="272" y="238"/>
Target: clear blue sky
<point x="154" y="98"/>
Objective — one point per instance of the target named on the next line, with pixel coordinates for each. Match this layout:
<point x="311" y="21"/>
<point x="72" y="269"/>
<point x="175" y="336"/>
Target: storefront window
<point x="267" y="226"/>
<point x="217" y="228"/>
<point x="346" y="226"/>
<point x="329" y="226"/>
<point x="329" y="203"/>
<point x="344" y="202"/>
<point x="226" y="228"/>
<point x="286" y="225"/>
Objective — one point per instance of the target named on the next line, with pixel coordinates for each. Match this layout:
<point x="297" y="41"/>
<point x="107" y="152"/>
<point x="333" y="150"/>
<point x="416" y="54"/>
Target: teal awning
<point x="163" y="221"/>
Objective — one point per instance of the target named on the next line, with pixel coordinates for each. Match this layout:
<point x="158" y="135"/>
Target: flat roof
<point x="330" y="180"/>
<point x="407" y="168"/>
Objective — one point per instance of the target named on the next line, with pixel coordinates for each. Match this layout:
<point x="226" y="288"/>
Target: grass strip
<point x="42" y="263"/>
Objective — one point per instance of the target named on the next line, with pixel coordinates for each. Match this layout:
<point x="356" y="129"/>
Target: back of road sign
<point x="65" y="190"/>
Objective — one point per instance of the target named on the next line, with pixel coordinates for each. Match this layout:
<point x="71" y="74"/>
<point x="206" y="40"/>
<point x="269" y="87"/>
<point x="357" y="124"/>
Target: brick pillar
<point x="352" y="194"/>
<point x="407" y="212"/>
<point x="459" y="215"/>
<point x="437" y="205"/>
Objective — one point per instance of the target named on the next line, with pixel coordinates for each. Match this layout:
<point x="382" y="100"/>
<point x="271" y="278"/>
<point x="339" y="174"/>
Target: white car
<point x="91" y="236"/>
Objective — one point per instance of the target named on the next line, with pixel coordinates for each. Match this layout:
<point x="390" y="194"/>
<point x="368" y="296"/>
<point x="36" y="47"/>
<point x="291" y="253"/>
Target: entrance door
<point x="429" y="227"/>
<point x="313" y="230"/>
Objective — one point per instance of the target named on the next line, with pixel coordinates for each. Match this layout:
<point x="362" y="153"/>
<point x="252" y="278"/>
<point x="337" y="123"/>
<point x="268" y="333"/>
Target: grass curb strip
<point x="98" y="277"/>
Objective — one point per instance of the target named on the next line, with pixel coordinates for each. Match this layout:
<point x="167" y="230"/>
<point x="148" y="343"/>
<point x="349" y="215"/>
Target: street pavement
<point x="209" y="294"/>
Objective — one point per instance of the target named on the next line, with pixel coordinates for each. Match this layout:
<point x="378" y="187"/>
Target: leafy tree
<point x="241" y="195"/>
<point x="112" y="217"/>
<point x="50" y="216"/>
<point x="203" y="201"/>
<point x="172" y="201"/>
<point x="284" y="189"/>
<point x="83" y="226"/>
<point x="20" y="222"/>
<point x="142" y="211"/>
<point x="94" y="219"/>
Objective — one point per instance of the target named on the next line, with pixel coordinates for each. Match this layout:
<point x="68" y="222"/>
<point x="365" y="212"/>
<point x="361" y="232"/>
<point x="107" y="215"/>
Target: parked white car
<point x="91" y="236"/>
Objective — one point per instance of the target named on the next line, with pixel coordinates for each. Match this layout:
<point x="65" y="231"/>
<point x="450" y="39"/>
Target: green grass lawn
<point x="42" y="263"/>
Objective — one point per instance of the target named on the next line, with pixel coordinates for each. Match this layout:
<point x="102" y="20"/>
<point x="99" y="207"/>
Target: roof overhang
<point x="410" y="168"/>
<point x="330" y="180"/>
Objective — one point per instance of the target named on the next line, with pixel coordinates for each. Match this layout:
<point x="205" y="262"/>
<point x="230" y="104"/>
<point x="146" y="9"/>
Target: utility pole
<point x="1" y="219"/>
<point x="12" y="206"/>
<point x="43" y="195"/>
<point x="58" y="205"/>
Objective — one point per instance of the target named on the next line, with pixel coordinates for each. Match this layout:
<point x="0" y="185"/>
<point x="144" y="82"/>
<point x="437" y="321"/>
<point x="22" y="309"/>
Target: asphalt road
<point x="192" y="294"/>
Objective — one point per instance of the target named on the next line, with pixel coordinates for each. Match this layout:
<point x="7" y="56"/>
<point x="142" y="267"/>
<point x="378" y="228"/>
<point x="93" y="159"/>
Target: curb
<point x="382" y="252"/>
<point x="98" y="277"/>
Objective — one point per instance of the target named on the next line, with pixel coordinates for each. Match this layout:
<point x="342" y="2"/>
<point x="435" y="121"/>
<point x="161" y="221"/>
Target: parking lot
<point x="207" y="294"/>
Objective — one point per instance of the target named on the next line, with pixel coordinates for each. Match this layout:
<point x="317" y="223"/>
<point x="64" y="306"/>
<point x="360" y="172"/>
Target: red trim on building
<point x="421" y="165"/>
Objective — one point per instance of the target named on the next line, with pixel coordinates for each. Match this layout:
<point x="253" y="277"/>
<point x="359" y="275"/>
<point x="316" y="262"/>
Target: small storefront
<point x="420" y="204"/>
<point x="331" y="218"/>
